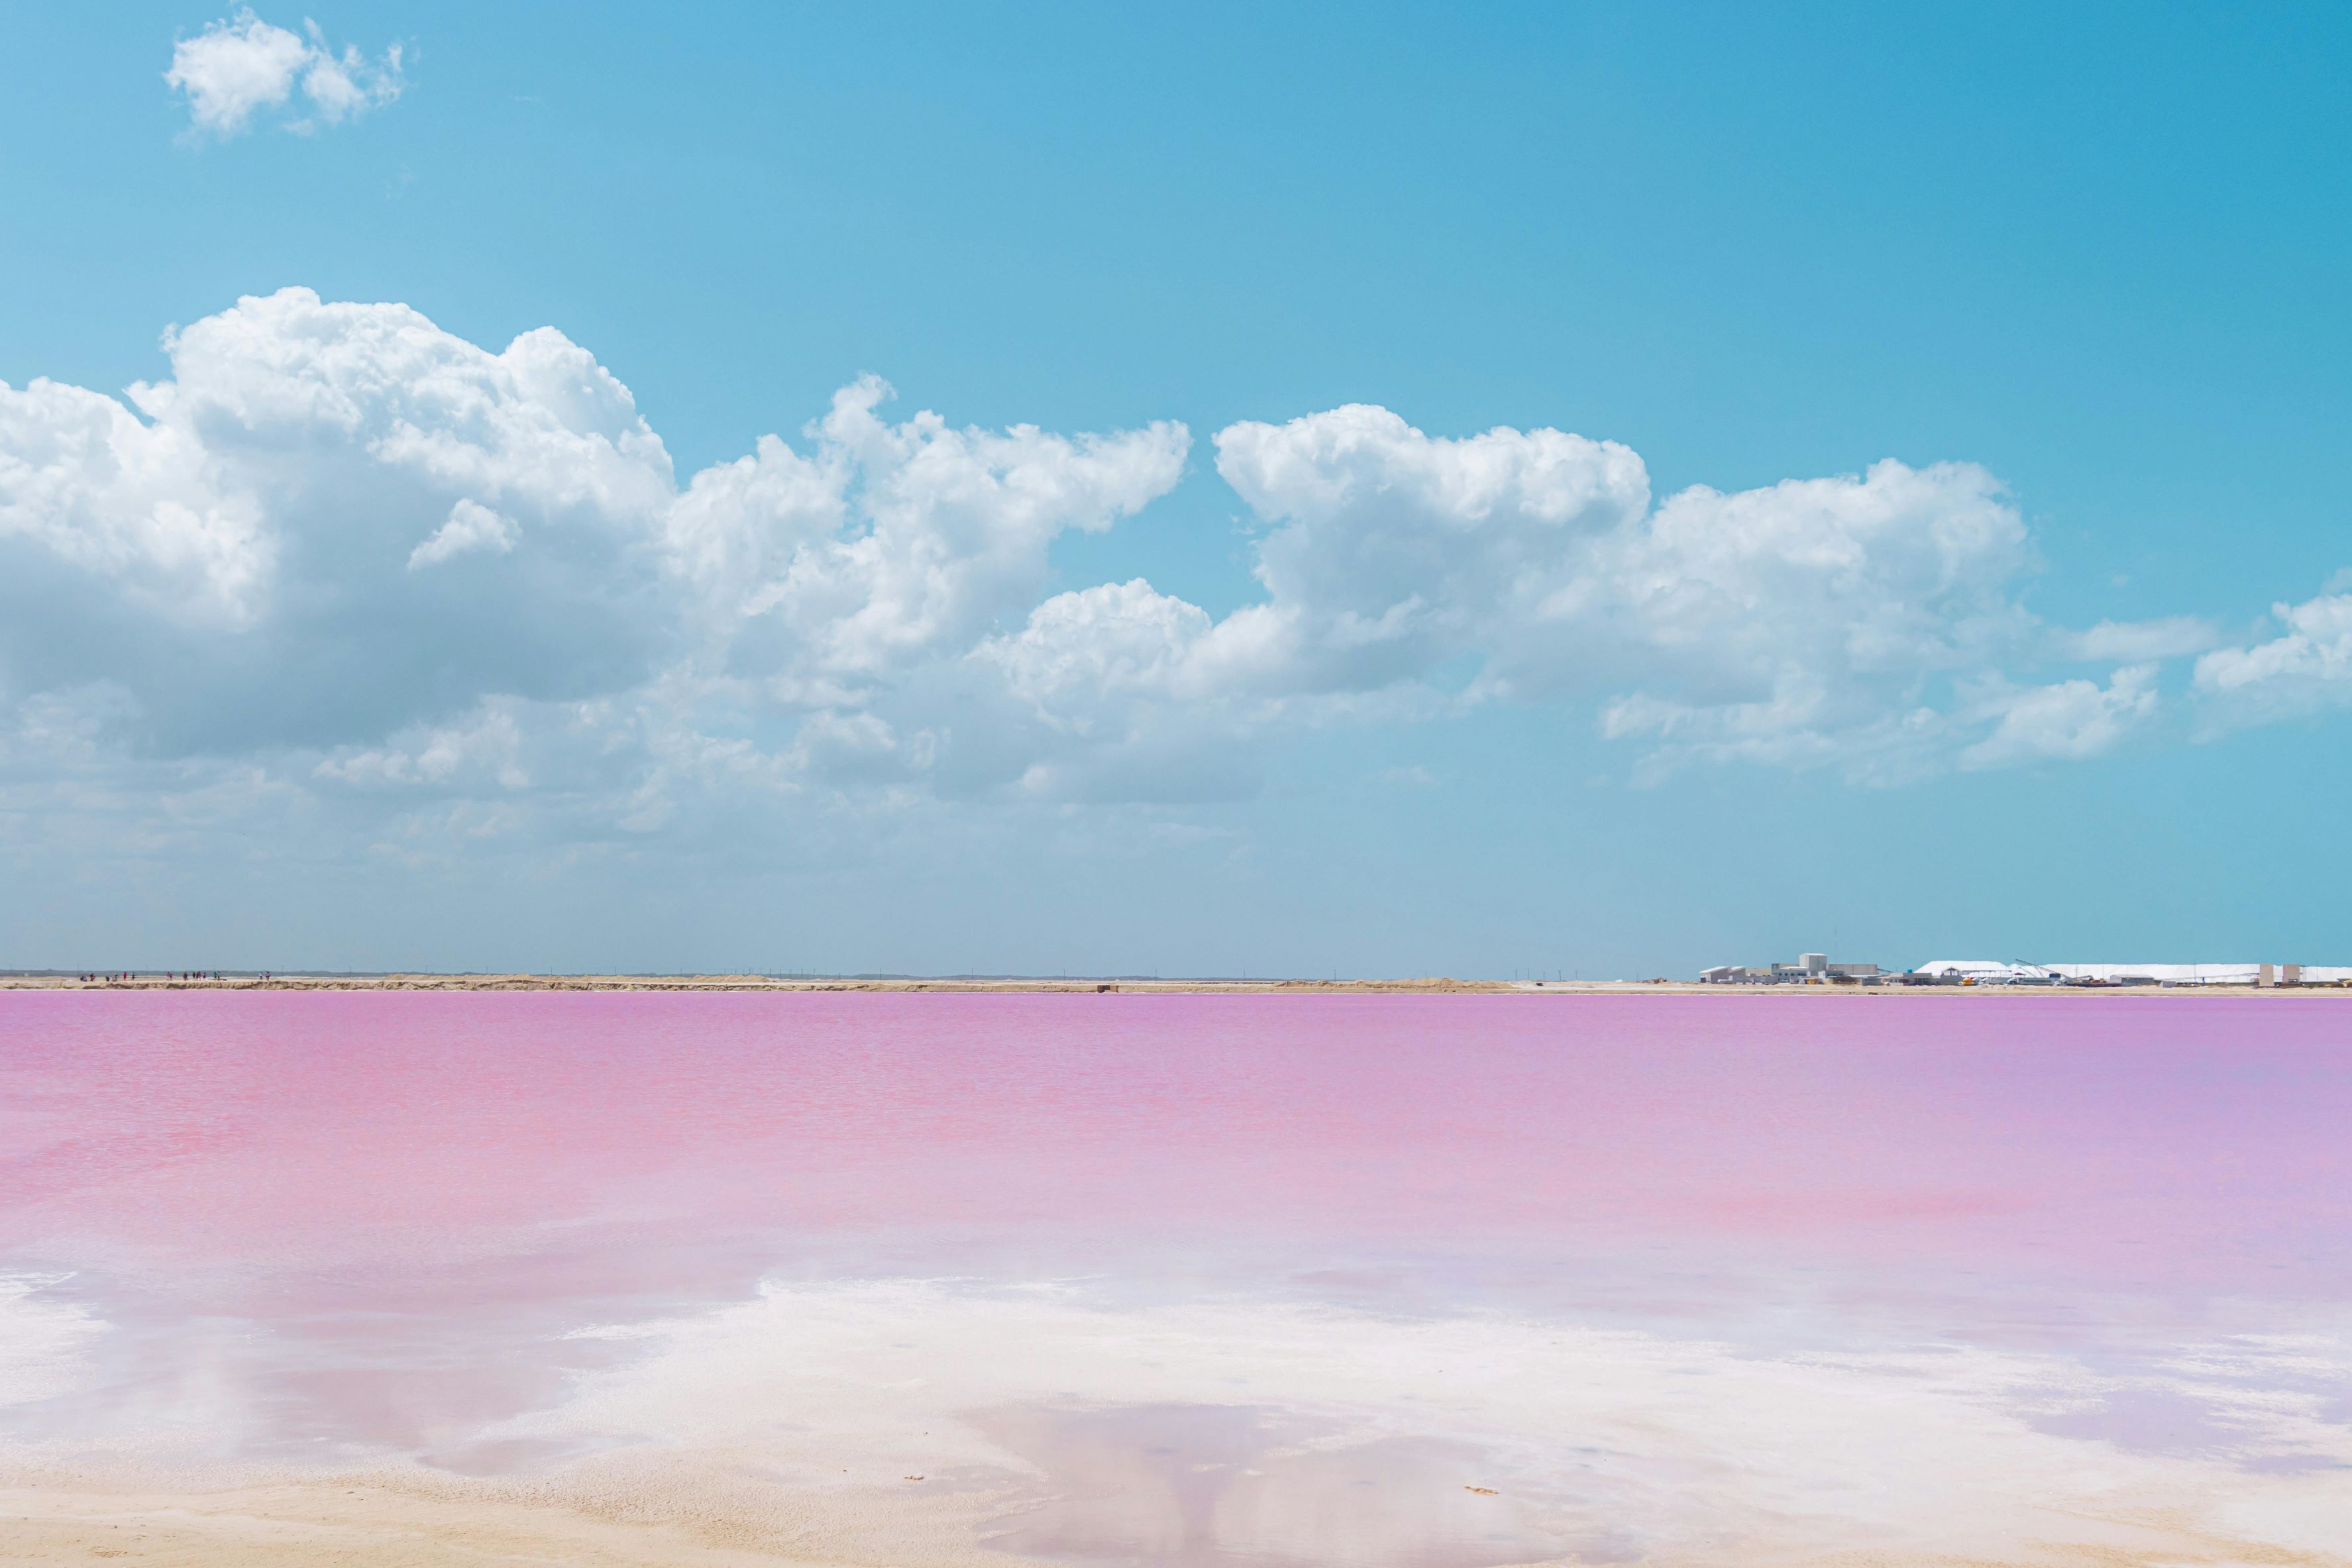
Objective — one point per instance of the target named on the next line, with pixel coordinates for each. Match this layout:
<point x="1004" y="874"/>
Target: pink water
<point x="404" y="1200"/>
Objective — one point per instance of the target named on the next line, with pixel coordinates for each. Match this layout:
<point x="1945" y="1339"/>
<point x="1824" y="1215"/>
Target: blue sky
<point x="315" y="659"/>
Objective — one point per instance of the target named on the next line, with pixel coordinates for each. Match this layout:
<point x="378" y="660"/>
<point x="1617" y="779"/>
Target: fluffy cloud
<point x="1806" y="623"/>
<point x="139" y="504"/>
<point x="337" y="531"/>
<point x="1810" y="620"/>
<point x="2066" y="721"/>
<point x="1131" y="694"/>
<point x="2307" y="667"/>
<point x="348" y="557"/>
<point x="239" y="558"/>
<point x="241" y="67"/>
<point x="825" y="575"/>
<point x="1393" y="551"/>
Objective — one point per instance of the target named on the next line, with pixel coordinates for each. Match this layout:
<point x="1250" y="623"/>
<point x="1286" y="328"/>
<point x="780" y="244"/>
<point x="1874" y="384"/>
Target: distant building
<point x="1989" y="972"/>
<point x="1994" y="972"/>
<point x="1809" y="969"/>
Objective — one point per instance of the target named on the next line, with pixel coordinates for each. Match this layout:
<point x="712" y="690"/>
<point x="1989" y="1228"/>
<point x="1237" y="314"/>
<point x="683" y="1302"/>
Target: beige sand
<point x="372" y="1522"/>
<point x="424" y="1521"/>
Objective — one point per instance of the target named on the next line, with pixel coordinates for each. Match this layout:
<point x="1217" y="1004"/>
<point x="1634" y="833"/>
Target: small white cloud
<point x="241" y="66"/>
<point x="471" y="527"/>
<point x="342" y="86"/>
<point x="2135" y="641"/>
<point x="2069" y="721"/>
<point x="2306" y="668"/>
<point x="1098" y="644"/>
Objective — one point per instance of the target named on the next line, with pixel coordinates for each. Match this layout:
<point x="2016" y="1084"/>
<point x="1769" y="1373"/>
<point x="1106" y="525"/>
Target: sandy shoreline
<point x="374" y="1519"/>
<point x="377" y="1522"/>
<point x="1426" y="986"/>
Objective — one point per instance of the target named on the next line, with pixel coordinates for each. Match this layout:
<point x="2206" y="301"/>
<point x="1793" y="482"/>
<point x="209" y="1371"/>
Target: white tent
<point x="1987" y="971"/>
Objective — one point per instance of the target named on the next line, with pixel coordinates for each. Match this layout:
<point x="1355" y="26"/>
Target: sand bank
<point x="1426" y="986"/>
<point x="373" y="1521"/>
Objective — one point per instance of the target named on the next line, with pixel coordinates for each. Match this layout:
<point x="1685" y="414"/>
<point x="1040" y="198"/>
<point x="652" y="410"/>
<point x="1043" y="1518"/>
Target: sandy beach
<point x="371" y="1520"/>
<point x="714" y="1520"/>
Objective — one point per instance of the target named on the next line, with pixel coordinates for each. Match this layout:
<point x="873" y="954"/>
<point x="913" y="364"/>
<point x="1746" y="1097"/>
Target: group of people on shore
<point x="122" y="976"/>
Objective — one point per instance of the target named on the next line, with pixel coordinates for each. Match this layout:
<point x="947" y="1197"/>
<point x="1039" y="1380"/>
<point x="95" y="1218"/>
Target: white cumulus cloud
<point x="2306" y="668"/>
<point x="827" y="574"/>
<point x="242" y="66"/>
<point x="336" y="530"/>
<point x="343" y="556"/>
<point x="1121" y="638"/>
<point x="141" y="505"/>
<point x="232" y="547"/>
<point x="2066" y="721"/>
<point x="1801" y="624"/>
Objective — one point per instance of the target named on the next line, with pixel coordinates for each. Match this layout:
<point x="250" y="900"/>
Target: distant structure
<point x="1987" y="972"/>
<point x="2001" y="972"/>
<point x="1809" y="969"/>
<point x="1815" y="969"/>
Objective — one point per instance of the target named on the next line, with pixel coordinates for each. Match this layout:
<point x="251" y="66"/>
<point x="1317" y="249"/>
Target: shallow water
<point x="1172" y="1280"/>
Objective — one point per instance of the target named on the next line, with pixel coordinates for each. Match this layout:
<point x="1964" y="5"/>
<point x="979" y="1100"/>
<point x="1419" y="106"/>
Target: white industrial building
<point x="1815" y="969"/>
<point x="1809" y="969"/>
<point x="1995" y="972"/>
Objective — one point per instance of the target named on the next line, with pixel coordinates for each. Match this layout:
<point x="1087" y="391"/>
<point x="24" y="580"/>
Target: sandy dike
<point x="1426" y="986"/>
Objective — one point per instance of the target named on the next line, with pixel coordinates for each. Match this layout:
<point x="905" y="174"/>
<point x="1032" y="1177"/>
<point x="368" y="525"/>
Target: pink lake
<point x="1261" y="1238"/>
